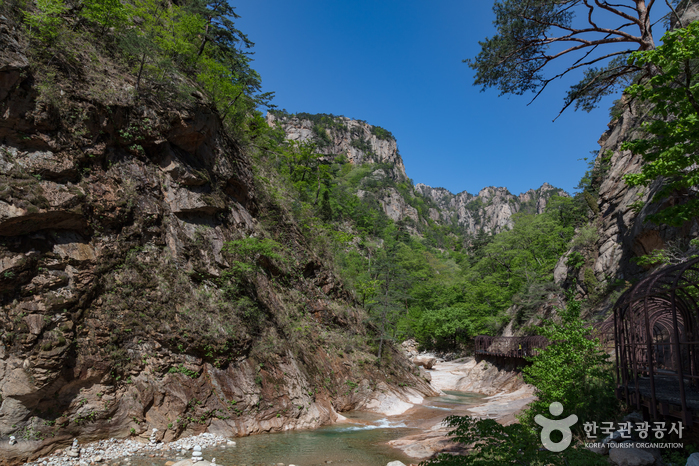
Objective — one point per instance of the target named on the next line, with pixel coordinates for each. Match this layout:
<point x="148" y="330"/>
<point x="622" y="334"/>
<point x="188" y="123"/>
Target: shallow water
<point x="354" y="444"/>
<point x="361" y="441"/>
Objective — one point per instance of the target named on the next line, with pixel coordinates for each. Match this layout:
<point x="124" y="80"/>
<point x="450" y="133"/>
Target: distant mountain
<point x="490" y="210"/>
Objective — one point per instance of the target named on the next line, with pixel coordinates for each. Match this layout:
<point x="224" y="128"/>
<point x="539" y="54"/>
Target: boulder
<point x="427" y="362"/>
<point x="395" y="463"/>
<point x="424" y="374"/>
<point x="410" y="348"/>
<point x="693" y="460"/>
<point x="631" y="457"/>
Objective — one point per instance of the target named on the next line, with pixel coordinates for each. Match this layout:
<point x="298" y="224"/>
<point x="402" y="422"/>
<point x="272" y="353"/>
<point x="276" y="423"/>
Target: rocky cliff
<point x="490" y="210"/>
<point x="120" y="311"/>
<point x="620" y="230"/>
<point x="624" y="229"/>
<point x="359" y="141"/>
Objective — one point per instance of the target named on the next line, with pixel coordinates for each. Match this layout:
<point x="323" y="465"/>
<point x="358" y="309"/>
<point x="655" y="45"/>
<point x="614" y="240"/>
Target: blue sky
<point x="398" y="64"/>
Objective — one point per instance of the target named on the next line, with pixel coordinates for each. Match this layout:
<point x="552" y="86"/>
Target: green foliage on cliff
<point x="167" y="48"/>
<point x="671" y="148"/>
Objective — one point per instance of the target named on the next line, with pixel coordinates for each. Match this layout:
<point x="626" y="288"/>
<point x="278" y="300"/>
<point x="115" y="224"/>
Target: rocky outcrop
<point x="624" y="230"/>
<point x="491" y="210"/>
<point x="509" y="396"/>
<point x="120" y="313"/>
<point x="482" y="377"/>
<point x="352" y="138"/>
<point x="621" y="213"/>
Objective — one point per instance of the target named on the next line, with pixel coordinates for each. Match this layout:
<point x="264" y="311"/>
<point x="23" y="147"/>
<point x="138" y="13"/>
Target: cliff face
<point x="490" y="210"/>
<point x="357" y="140"/>
<point x="624" y="231"/>
<point x="119" y="311"/>
<point x="621" y="228"/>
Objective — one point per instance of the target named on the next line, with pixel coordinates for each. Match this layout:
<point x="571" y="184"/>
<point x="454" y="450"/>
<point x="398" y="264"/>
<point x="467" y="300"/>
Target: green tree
<point x="492" y="444"/>
<point x="445" y="327"/>
<point x="534" y="33"/>
<point x="107" y="13"/>
<point x="45" y="20"/>
<point x="391" y="293"/>
<point x="671" y="148"/>
<point x="573" y="370"/>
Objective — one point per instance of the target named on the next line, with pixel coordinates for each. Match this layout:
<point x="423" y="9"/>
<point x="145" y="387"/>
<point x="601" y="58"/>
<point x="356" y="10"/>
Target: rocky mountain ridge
<point x="490" y="210"/>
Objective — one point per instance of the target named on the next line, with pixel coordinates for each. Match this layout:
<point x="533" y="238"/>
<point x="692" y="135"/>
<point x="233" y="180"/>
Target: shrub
<point x="45" y="21"/>
<point x="573" y="371"/>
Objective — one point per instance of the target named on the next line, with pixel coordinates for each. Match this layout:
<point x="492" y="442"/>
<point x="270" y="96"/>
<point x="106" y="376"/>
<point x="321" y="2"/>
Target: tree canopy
<point x="671" y="146"/>
<point x="592" y="37"/>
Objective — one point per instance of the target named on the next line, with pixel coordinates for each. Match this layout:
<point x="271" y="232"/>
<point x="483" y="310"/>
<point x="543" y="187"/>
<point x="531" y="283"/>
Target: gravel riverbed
<point x="122" y="451"/>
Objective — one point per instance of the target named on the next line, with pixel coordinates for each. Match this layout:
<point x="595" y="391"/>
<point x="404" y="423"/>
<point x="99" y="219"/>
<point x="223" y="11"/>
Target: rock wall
<point x="623" y="230"/>
<point x="477" y="376"/>
<point x="119" y="312"/>
<point x="376" y="150"/>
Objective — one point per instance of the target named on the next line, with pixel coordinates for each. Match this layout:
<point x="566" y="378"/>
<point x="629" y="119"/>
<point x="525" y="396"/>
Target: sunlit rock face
<point x="374" y="149"/>
<point x="490" y="210"/>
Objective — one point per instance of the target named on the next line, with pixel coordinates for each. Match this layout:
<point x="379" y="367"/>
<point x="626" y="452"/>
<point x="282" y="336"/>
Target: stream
<point x="359" y="441"/>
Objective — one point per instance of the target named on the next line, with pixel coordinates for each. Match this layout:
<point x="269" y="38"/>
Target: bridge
<point x="523" y="347"/>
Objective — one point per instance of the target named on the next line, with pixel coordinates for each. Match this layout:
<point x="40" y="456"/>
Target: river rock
<point x="693" y="460"/>
<point x="630" y="457"/>
<point x="424" y="374"/>
<point x="409" y="347"/>
<point x="427" y="362"/>
<point x="395" y="463"/>
<point x="191" y="463"/>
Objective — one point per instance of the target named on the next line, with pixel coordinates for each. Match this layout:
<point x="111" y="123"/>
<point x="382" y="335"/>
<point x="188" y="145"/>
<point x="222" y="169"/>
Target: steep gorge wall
<point x="117" y="311"/>
<point x="623" y="229"/>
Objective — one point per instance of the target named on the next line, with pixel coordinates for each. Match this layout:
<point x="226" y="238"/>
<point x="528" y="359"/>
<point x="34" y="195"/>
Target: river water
<point x="361" y="441"/>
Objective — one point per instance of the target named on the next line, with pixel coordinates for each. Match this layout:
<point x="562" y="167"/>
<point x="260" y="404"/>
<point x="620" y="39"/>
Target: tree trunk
<point x="140" y="71"/>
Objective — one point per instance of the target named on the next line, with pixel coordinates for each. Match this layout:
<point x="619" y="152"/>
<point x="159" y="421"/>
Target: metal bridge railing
<point x="511" y="347"/>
